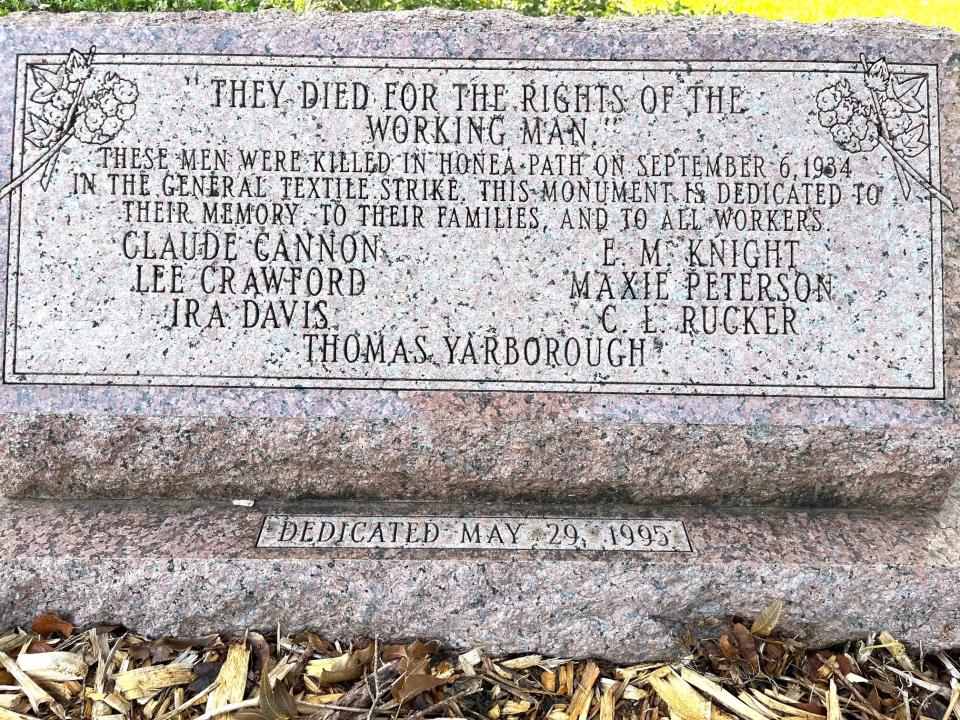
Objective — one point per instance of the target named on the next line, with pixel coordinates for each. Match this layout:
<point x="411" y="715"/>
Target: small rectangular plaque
<point x="473" y="533"/>
<point x="452" y="224"/>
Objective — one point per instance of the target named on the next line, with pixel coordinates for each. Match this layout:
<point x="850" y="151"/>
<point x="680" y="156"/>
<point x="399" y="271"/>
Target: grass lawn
<point x="931" y="12"/>
<point x="527" y="7"/>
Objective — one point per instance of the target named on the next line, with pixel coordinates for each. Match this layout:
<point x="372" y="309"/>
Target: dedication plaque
<point x="765" y="228"/>
<point x="438" y="532"/>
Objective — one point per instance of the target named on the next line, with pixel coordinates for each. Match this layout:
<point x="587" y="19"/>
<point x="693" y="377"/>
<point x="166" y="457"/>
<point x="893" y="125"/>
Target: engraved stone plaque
<point x="401" y="223"/>
<point x="436" y="532"/>
<point x="640" y="262"/>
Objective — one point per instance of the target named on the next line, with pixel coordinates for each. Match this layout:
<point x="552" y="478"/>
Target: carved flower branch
<point x="890" y="115"/>
<point x="70" y="102"/>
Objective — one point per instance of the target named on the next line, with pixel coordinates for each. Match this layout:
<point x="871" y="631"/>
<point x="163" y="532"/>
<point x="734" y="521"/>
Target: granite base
<point x="186" y="568"/>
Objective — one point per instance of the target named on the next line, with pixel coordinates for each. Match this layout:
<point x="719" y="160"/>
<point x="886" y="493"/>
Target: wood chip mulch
<point x="748" y="671"/>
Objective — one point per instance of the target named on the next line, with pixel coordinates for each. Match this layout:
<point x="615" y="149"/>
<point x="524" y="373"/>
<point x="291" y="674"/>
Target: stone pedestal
<point x="193" y="567"/>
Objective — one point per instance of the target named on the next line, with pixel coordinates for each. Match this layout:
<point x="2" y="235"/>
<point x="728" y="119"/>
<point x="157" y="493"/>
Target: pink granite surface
<point x="544" y="457"/>
<point x="190" y="567"/>
<point x="202" y="443"/>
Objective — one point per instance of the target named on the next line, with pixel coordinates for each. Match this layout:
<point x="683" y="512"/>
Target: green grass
<point x="590" y="8"/>
<point x="593" y="8"/>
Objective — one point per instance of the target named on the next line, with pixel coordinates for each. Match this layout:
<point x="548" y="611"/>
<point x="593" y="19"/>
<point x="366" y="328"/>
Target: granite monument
<point x="540" y="334"/>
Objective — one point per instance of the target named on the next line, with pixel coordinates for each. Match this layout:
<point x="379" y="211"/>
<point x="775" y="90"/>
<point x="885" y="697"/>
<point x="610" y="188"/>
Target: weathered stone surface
<point x="193" y="567"/>
<point x="864" y="407"/>
<point x="419" y="456"/>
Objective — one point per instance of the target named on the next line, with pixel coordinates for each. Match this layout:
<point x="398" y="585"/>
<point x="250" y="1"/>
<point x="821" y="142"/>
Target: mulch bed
<point x="745" y="670"/>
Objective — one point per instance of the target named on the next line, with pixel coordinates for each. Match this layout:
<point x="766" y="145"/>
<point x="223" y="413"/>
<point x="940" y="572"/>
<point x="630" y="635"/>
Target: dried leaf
<point x="249" y="714"/>
<point x="746" y="645"/>
<point x="165" y="649"/>
<point x="261" y="654"/>
<point x="410" y="686"/>
<point x="768" y="619"/>
<point x="410" y="656"/>
<point x="49" y="624"/>
<point x="727" y="647"/>
<point x="206" y="673"/>
<point x="341" y="669"/>
<point x="276" y="702"/>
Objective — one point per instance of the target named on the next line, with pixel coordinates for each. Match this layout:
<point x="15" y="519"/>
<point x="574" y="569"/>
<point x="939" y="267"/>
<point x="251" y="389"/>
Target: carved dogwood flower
<point x="70" y="101"/>
<point x="888" y="114"/>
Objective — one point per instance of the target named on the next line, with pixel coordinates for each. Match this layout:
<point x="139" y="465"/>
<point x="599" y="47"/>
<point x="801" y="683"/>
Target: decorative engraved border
<point x="936" y="390"/>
